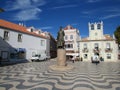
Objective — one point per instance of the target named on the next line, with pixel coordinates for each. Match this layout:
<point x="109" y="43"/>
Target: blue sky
<point x="49" y="15"/>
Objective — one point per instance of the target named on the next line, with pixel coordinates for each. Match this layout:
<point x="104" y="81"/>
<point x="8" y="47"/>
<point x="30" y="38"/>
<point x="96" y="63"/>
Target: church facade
<point x="98" y="44"/>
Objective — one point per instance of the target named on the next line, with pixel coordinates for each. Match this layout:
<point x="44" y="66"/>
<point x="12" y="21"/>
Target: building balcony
<point x="70" y="51"/>
<point x="96" y="50"/>
<point x="108" y="50"/>
<point x="85" y="50"/>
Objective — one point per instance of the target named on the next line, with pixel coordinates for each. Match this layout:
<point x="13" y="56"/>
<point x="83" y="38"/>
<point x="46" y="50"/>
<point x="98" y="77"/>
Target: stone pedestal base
<point x="61" y="68"/>
<point x="61" y="57"/>
<point x="61" y="61"/>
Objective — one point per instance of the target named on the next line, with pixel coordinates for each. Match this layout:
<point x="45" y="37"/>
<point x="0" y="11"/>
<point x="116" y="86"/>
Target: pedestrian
<point x="91" y="59"/>
<point x="73" y="59"/>
<point x="0" y="59"/>
<point x="81" y="59"/>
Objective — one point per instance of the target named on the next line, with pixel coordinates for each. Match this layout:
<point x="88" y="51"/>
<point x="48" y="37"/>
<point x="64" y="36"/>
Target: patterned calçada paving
<point x="38" y="76"/>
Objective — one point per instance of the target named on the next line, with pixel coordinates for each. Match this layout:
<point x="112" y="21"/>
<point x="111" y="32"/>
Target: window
<point x="6" y="35"/>
<point x="69" y="46"/>
<point x="85" y="56"/>
<point x="78" y="44"/>
<point x="19" y="37"/>
<point x="92" y="27"/>
<point x="42" y="42"/>
<point x="108" y="45"/>
<point x="31" y="29"/>
<point x="98" y="26"/>
<point x="108" y="56"/>
<point x="66" y="37"/>
<point x="71" y="36"/>
<point x="85" y="45"/>
<point x="96" y="46"/>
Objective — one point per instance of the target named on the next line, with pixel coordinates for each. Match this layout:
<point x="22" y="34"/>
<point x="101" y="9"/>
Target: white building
<point x="98" y="44"/>
<point x="71" y="38"/>
<point x="18" y="42"/>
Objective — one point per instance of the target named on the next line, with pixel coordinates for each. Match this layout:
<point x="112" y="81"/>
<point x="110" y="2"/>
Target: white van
<point x="35" y="57"/>
<point x="43" y="57"/>
<point x="39" y="57"/>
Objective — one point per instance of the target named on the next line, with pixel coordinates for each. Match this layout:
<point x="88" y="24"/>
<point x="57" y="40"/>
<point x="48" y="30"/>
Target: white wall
<point x="73" y="41"/>
<point x="102" y="46"/>
<point x="29" y="42"/>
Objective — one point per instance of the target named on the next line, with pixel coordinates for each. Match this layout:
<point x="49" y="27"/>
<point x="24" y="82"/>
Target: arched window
<point x="98" y="26"/>
<point x="66" y="37"/>
<point x="71" y="36"/>
<point x="92" y="27"/>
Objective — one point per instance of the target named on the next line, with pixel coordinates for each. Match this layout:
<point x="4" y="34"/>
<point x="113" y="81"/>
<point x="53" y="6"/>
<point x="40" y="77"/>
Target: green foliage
<point x="117" y="34"/>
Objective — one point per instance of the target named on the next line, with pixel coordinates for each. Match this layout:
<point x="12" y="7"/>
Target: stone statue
<point x="60" y="39"/>
<point x="61" y="54"/>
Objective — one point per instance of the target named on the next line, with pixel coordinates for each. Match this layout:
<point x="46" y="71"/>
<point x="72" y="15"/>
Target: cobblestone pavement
<point x="38" y="76"/>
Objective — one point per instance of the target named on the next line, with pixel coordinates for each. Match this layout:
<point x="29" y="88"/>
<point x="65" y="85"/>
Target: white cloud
<point x="65" y="6"/>
<point x="111" y="12"/>
<point x="93" y="1"/>
<point x="74" y="24"/>
<point x="28" y="14"/>
<point x="111" y="16"/>
<point x="112" y="9"/>
<point x="25" y="9"/>
<point x="47" y="27"/>
<point x="24" y="4"/>
<point x="92" y="11"/>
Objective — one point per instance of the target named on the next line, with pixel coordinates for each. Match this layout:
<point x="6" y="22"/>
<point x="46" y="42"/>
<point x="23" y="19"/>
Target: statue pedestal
<point x="61" y="61"/>
<point x="61" y="57"/>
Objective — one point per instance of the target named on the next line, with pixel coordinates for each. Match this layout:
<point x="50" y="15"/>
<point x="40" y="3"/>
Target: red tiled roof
<point x="68" y="27"/>
<point x="108" y="37"/>
<point x="85" y="39"/>
<point x="18" y="28"/>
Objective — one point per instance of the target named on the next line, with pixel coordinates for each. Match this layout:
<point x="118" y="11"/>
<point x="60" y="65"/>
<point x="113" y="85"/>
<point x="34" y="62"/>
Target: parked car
<point x="48" y="57"/>
<point x="35" y="57"/>
<point x="43" y="57"/>
<point x="39" y="57"/>
<point x="95" y="59"/>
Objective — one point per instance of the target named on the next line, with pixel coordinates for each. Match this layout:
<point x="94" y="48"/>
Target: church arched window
<point x="98" y="26"/>
<point x="92" y="27"/>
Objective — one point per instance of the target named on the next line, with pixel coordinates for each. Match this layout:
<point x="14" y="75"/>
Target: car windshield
<point x="37" y="55"/>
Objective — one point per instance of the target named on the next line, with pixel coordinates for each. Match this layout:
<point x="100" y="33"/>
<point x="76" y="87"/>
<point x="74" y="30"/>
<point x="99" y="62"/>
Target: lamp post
<point x="78" y="48"/>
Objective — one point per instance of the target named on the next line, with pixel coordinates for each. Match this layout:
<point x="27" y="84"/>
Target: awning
<point x="21" y="50"/>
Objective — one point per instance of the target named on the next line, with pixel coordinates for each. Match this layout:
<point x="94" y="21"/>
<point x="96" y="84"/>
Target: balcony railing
<point x="108" y="50"/>
<point x="96" y="50"/>
<point x="85" y="50"/>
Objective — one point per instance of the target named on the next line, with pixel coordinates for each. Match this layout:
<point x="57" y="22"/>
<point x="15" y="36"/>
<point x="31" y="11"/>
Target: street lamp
<point x="78" y="48"/>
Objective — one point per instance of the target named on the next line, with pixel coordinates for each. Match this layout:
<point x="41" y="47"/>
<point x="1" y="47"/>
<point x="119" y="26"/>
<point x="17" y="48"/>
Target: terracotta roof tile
<point x="108" y="37"/>
<point x="68" y="27"/>
<point x="18" y="28"/>
<point x="85" y="39"/>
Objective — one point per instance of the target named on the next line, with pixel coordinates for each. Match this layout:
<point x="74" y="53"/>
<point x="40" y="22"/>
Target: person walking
<point x="81" y="59"/>
<point x="73" y="59"/>
<point x="0" y="59"/>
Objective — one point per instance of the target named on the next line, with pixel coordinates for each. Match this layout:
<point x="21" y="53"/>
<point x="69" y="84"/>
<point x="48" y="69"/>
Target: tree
<point x="1" y="10"/>
<point x="117" y="35"/>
